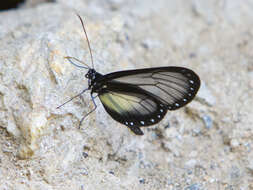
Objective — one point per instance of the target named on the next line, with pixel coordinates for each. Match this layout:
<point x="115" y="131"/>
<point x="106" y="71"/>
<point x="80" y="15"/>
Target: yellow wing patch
<point x="128" y="104"/>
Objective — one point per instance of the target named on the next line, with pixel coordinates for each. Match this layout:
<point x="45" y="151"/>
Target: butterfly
<point x="139" y="98"/>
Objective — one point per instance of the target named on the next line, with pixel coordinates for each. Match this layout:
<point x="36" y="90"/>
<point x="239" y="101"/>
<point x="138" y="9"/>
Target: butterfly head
<point x="91" y="74"/>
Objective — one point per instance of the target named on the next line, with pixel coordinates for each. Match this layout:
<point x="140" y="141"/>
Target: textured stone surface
<point x="206" y="145"/>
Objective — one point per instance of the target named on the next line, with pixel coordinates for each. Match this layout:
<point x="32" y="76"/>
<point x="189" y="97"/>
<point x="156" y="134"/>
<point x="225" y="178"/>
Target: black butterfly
<point x="142" y="97"/>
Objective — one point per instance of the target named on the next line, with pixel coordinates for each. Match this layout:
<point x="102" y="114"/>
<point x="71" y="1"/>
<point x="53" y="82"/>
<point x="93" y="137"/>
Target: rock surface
<point x="206" y="145"/>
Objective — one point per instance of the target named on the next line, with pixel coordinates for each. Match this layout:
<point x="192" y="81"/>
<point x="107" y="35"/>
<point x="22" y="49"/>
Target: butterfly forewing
<point x="173" y="86"/>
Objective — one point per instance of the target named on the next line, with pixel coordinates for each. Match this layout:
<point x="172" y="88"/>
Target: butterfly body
<point x="134" y="97"/>
<point x="141" y="97"/>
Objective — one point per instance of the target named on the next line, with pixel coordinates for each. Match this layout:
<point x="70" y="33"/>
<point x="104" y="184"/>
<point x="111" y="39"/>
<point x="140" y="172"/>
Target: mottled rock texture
<point x="206" y="145"/>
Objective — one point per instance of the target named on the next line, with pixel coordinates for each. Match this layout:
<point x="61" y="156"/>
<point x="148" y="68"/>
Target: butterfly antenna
<point x="87" y="40"/>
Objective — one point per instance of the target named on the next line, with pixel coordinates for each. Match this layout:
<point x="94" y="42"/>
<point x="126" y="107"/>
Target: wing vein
<point x="172" y="88"/>
<point x="166" y="92"/>
<point x="141" y="103"/>
<point x="167" y="80"/>
<point x="117" y="105"/>
<point x="132" y="105"/>
<point x="167" y="76"/>
<point x="145" y="106"/>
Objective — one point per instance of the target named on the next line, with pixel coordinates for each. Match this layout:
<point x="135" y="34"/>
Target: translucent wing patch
<point x="173" y="86"/>
<point x="132" y="109"/>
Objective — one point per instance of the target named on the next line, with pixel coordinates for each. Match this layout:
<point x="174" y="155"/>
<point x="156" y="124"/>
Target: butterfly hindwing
<point x="131" y="106"/>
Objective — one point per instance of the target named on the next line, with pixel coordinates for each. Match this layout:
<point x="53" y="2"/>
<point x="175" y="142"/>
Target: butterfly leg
<point x="93" y="100"/>
<point x="73" y="98"/>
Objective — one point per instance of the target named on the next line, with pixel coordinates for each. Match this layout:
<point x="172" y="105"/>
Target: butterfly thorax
<point x="93" y="76"/>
